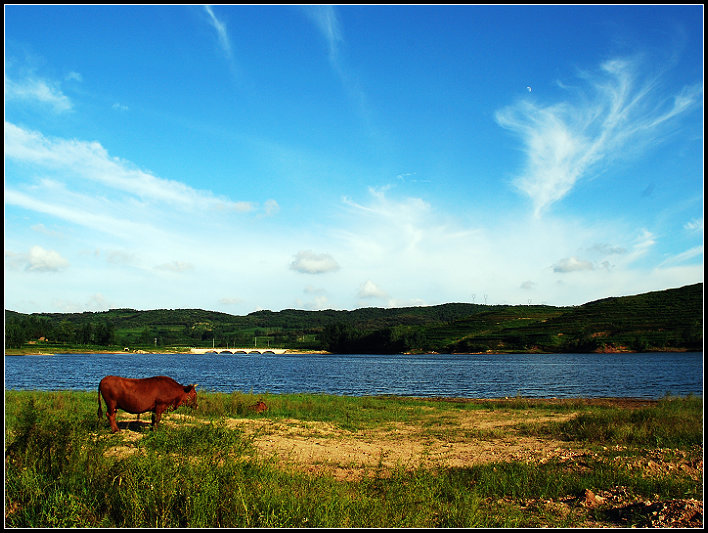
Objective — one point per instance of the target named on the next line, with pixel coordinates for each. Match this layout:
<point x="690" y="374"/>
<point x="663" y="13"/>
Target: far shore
<point x="186" y="351"/>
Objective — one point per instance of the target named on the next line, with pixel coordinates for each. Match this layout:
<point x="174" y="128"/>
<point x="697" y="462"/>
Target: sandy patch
<point x="458" y="440"/>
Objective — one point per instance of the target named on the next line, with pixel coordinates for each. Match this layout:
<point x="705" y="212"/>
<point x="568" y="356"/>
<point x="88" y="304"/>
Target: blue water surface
<point x="640" y="375"/>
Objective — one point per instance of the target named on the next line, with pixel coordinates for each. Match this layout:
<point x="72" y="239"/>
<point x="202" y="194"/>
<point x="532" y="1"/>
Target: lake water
<point x="646" y="375"/>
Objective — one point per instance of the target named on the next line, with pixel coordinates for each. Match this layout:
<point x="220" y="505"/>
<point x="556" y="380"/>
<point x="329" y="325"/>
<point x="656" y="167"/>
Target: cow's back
<point x="138" y="395"/>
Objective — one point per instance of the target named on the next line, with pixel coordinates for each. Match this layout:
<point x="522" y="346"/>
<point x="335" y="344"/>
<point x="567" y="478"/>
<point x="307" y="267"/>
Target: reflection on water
<point x="650" y="375"/>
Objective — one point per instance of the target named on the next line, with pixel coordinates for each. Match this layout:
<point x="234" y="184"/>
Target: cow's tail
<point x="100" y="411"/>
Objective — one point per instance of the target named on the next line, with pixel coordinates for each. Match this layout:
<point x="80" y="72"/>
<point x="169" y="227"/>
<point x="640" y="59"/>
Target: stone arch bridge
<point x="238" y="351"/>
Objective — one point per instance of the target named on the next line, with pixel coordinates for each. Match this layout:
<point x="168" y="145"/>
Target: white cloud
<point x="370" y="290"/>
<point x="41" y="260"/>
<point x="607" y="249"/>
<point x="99" y="201"/>
<point x="74" y="76"/>
<point x="572" y="264"/>
<point x="37" y="90"/>
<point x="119" y="257"/>
<point x="568" y="141"/>
<point x="221" y="31"/>
<point x="41" y="228"/>
<point x="90" y="161"/>
<point x="641" y="245"/>
<point x="694" y="225"/>
<point x="389" y="225"/>
<point x="82" y="210"/>
<point x="317" y="299"/>
<point x="176" y="266"/>
<point x="271" y="207"/>
<point x="327" y="22"/>
<point x="683" y="257"/>
<point x="421" y="254"/>
<point x="308" y="262"/>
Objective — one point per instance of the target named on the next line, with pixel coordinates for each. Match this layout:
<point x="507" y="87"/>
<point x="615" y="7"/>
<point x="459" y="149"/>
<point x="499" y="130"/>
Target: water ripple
<point x="650" y="375"/>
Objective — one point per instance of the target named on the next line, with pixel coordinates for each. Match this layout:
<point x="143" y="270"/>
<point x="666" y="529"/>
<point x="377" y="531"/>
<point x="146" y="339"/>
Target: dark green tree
<point x="14" y="335"/>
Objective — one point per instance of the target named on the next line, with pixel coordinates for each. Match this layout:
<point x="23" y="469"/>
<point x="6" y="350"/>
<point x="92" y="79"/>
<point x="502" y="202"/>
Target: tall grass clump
<point x="211" y="440"/>
<point x="671" y="423"/>
<point x="53" y="466"/>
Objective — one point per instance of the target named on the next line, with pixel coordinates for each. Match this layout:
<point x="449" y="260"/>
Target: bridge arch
<point x="239" y="351"/>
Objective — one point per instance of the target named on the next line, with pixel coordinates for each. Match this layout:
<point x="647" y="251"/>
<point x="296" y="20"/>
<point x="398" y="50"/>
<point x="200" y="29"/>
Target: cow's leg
<point x="111" y="415"/>
<point x="157" y="414"/>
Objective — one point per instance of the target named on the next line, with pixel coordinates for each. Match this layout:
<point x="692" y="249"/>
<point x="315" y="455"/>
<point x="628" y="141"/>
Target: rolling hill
<point x="671" y="319"/>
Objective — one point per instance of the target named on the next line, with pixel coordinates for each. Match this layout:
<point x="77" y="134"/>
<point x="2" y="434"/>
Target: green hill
<point x="670" y="319"/>
<point x="662" y="320"/>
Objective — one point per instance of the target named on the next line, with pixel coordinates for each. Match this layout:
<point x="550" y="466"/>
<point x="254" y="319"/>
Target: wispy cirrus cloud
<point x="87" y="160"/>
<point x="221" y="31"/>
<point x="327" y="22"/>
<point x="694" y="226"/>
<point x="108" y="200"/>
<point x="618" y="112"/>
<point x="53" y="199"/>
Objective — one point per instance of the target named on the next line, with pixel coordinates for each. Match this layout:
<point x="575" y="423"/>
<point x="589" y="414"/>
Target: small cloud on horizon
<point x="37" y="259"/>
<point x="572" y="264"/>
<point x="309" y="262"/>
<point x="175" y="266"/>
<point x="370" y="290"/>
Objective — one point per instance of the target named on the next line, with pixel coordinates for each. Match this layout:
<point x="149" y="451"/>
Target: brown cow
<point x="155" y="394"/>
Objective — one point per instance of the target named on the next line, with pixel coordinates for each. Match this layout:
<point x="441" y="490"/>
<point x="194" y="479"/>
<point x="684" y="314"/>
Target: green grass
<point x="671" y="423"/>
<point x="348" y="412"/>
<point x="186" y="474"/>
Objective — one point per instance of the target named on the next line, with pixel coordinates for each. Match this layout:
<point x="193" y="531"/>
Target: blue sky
<point x="237" y="158"/>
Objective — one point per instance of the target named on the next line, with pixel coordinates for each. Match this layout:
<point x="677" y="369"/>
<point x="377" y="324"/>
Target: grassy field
<point x="338" y="461"/>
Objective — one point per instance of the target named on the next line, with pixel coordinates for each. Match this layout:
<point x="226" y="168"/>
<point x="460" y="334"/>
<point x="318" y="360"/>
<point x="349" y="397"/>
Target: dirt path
<point x="455" y="439"/>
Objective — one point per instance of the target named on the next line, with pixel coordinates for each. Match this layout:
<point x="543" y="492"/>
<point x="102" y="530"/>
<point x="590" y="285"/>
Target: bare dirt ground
<point x="459" y="439"/>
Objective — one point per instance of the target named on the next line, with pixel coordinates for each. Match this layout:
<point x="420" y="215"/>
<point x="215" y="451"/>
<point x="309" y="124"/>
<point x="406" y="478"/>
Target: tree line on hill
<point x="659" y="320"/>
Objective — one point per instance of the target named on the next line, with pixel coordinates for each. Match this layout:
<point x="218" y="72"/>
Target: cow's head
<point x="190" y="396"/>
